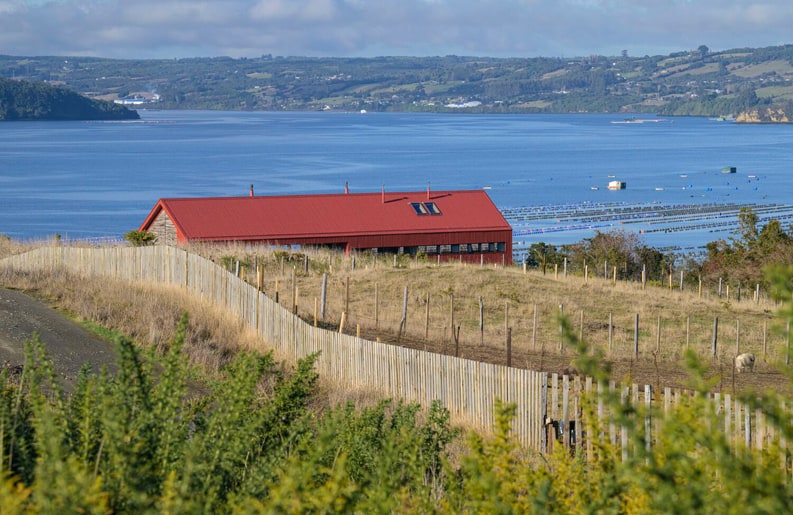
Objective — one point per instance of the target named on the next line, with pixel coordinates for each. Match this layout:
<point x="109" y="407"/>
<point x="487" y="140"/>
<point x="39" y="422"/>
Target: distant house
<point x="455" y="225"/>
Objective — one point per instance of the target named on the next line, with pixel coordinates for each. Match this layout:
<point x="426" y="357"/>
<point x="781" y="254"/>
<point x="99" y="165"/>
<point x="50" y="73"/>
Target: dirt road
<point x="68" y="344"/>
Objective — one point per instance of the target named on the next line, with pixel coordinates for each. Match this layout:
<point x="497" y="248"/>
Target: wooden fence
<point x="549" y="406"/>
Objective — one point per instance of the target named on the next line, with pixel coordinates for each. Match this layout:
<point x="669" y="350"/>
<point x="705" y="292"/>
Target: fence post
<point x="347" y="295"/>
<point x="561" y="328"/>
<point x="636" y="337"/>
<point x="715" y="335"/>
<point x="481" y="321"/>
<point x="737" y="337"/>
<point x="293" y="307"/>
<point x="648" y="397"/>
<point x="509" y="346"/>
<point x="427" y="318"/>
<point x="404" y="323"/>
<point x="377" y="306"/>
<point x="658" y="336"/>
<point x="534" y="328"/>
<point x="765" y="338"/>
<point x="451" y="314"/>
<point x="611" y="329"/>
<point x="323" y="296"/>
<point x="506" y="316"/>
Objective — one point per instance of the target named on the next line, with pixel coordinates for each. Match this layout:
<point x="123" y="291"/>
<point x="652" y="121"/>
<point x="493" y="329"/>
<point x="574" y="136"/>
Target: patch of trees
<point x="744" y="259"/>
<point x="617" y="248"/>
<point x="21" y="100"/>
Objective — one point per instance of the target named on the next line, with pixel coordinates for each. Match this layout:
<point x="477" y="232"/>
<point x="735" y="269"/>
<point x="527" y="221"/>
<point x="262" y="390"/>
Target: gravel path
<point x="68" y="344"/>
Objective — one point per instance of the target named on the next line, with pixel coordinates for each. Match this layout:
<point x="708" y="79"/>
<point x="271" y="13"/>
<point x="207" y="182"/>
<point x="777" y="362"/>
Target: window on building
<point x="432" y="207"/>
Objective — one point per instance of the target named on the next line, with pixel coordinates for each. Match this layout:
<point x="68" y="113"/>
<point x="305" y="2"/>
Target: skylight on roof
<point x="425" y="208"/>
<point x="419" y="208"/>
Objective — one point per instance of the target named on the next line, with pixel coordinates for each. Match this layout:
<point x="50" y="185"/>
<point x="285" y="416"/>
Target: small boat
<point x="594" y="188"/>
<point x="659" y="188"/>
<point x="617" y="185"/>
<point x="729" y="169"/>
<point x="683" y="176"/>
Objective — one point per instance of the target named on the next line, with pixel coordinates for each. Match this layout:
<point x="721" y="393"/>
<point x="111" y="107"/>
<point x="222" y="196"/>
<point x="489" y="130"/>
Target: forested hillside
<point x="697" y="82"/>
<point x="22" y="100"/>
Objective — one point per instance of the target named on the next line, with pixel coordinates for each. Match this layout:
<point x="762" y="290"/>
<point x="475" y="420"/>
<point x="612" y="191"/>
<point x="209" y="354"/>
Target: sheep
<point x="744" y="362"/>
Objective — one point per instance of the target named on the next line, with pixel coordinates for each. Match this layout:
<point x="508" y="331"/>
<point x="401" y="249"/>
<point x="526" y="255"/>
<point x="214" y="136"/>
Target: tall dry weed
<point x="148" y="314"/>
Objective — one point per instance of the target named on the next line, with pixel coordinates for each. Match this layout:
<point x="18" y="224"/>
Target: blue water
<point x="95" y="179"/>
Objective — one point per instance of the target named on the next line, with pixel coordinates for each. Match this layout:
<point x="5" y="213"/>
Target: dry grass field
<point x="521" y="310"/>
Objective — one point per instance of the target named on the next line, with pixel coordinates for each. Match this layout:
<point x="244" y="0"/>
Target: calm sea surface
<point x="96" y="179"/>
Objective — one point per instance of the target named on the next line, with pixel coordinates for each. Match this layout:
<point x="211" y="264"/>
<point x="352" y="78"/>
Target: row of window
<point x="463" y="248"/>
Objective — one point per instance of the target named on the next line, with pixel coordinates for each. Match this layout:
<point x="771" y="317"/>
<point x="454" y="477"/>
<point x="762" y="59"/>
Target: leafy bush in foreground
<point x="142" y="441"/>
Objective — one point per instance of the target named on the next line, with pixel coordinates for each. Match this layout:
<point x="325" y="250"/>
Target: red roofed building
<point x="457" y="225"/>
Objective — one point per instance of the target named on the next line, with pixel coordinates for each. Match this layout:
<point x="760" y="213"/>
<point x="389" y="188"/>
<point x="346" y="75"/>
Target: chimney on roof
<point x="346" y="188"/>
<point x="382" y="194"/>
<point x="251" y="190"/>
<point x="428" y="190"/>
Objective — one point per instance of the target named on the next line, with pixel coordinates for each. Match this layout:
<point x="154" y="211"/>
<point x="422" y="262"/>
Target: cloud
<point x="522" y="28"/>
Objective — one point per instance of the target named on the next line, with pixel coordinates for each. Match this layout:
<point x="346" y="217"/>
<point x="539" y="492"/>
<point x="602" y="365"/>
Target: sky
<point x="146" y="29"/>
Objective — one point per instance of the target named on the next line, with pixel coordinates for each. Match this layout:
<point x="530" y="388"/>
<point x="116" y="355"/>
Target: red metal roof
<point x="273" y="218"/>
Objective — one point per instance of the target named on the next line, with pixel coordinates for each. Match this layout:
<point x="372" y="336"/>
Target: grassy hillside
<point x="696" y="82"/>
<point x="444" y="314"/>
